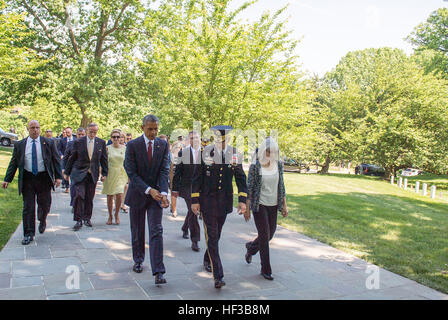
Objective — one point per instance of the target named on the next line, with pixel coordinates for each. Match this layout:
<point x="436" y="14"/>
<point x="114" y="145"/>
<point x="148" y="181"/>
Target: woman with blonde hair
<point x="117" y="178"/>
<point x="266" y="197"/>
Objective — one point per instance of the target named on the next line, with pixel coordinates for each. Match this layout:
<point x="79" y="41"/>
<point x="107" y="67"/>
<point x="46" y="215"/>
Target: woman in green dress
<point x="117" y="178"/>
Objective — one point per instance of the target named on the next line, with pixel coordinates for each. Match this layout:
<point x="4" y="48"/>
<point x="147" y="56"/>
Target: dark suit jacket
<point x="50" y="156"/>
<point x="67" y="153"/>
<point x="183" y="173"/>
<point x="142" y="175"/>
<point x="78" y="163"/>
<point x="63" y="145"/>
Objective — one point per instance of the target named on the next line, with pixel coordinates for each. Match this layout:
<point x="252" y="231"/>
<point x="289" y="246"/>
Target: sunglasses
<point x="115" y="137"/>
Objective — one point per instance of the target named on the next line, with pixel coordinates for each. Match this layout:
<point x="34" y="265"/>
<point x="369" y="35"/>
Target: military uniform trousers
<point x="214" y="216"/>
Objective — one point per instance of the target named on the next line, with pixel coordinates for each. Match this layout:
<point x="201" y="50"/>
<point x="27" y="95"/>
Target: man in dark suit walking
<point x="62" y="145"/>
<point x="83" y="166"/>
<point x="212" y="193"/>
<point x="188" y="158"/>
<point x="81" y="132"/>
<point x="147" y="165"/>
<point x="39" y="167"/>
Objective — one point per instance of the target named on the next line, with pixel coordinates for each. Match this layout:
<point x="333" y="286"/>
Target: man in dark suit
<point x="212" y="193"/>
<point x="188" y="158"/>
<point x="83" y="166"/>
<point x="147" y="165"/>
<point x="62" y="145"/>
<point x="81" y="132"/>
<point x="39" y="167"/>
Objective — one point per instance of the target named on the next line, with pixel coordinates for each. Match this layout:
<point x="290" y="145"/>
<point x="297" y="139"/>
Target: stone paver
<point x="303" y="268"/>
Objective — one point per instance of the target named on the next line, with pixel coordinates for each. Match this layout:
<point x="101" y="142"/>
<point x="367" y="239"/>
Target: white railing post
<point x="405" y="184"/>
<point x="417" y="186"/>
<point x="400" y="182"/>
<point x="425" y="189"/>
<point x="391" y="179"/>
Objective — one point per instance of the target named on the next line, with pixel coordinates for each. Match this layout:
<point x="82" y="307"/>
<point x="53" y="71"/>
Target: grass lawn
<point x="10" y="202"/>
<point x="396" y="229"/>
<point x="440" y="181"/>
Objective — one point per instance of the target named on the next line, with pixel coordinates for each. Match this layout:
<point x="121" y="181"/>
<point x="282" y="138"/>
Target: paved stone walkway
<point x="303" y="268"/>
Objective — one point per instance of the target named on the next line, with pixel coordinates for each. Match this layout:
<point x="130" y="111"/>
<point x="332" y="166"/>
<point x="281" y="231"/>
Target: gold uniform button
<point x="220" y="175"/>
<point x="219" y="188"/>
<point x="220" y="181"/>
<point x="221" y="169"/>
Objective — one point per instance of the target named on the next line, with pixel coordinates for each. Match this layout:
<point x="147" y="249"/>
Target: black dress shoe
<point x="267" y="276"/>
<point x="194" y="246"/>
<point x="87" y="223"/>
<point x="26" y="240"/>
<point x="248" y="256"/>
<point x="208" y="267"/>
<point x="159" y="279"/>
<point x="219" y="284"/>
<point x="42" y="226"/>
<point x="137" y="268"/>
<point x="185" y="235"/>
<point x="77" y="226"/>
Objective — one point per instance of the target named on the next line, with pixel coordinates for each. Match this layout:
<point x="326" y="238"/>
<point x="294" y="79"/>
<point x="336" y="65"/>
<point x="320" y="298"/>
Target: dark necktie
<point x="34" y="158"/>
<point x="150" y="152"/>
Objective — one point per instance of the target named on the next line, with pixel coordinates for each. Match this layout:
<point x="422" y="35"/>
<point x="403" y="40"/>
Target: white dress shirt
<point x="147" y="142"/>
<point x="28" y="155"/>
<point x="195" y="154"/>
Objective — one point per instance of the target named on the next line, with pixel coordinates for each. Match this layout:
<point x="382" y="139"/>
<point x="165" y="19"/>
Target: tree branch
<point x="117" y="21"/>
<point x="71" y="33"/>
<point x="44" y="27"/>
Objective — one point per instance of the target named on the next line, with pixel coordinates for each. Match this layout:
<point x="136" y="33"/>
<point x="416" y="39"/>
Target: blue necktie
<point x="34" y="158"/>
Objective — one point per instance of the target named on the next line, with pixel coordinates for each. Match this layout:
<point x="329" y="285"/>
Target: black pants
<point x="153" y="211"/>
<point x="35" y="188"/>
<point x="266" y="223"/>
<point x="214" y="216"/>
<point x="191" y="223"/>
<point x="83" y="200"/>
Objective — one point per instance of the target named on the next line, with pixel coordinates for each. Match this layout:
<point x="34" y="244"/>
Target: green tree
<point x="89" y="44"/>
<point x="204" y="64"/>
<point x="383" y="108"/>
<point x="431" y="41"/>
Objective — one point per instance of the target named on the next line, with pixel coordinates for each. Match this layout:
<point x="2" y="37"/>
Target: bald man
<point x="39" y="167"/>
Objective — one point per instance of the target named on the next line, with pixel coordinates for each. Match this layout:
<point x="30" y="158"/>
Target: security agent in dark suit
<point x="83" y="166"/>
<point x="188" y="159"/>
<point x="39" y="167"/>
<point x="212" y="194"/>
<point x="62" y="145"/>
<point x="147" y="165"/>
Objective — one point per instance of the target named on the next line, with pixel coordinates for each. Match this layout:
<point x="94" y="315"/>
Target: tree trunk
<point x="85" y="120"/>
<point x="326" y="165"/>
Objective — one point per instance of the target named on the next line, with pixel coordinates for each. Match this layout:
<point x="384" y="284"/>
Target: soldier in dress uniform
<point x="212" y="194"/>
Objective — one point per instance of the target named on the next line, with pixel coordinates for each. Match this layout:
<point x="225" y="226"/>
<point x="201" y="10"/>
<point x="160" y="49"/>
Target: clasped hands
<point x="156" y="195"/>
